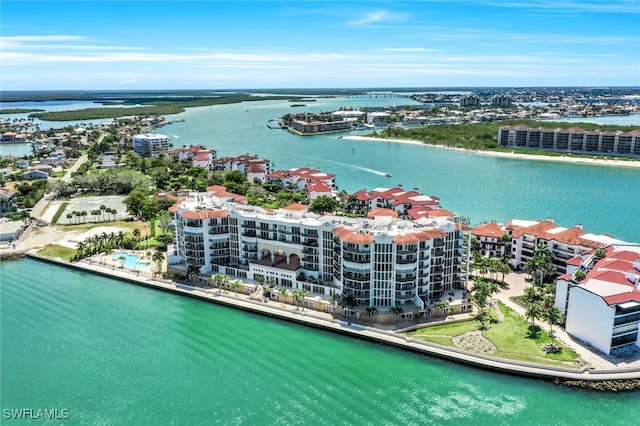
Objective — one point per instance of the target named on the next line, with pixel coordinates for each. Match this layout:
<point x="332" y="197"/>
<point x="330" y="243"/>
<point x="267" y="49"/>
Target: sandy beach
<point x="517" y="156"/>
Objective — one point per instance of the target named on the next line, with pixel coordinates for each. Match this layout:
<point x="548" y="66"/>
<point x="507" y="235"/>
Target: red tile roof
<point x="382" y="212"/>
<point x="296" y="207"/>
<point x="205" y="214"/>
<point x="351" y="236"/>
<point x="491" y="229"/>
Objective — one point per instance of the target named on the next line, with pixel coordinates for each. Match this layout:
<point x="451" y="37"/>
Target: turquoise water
<point x="113" y="353"/>
<point x="602" y="199"/>
<point x="130" y="260"/>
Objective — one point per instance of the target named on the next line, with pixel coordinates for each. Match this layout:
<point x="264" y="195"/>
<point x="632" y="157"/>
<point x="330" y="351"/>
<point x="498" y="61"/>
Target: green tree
<point x="158" y="257"/>
<point x="396" y="311"/>
<point x="480" y="292"/>
<point x="324" y="204"/>
<point x="283" y="294"/>
<point x="579" y="275"/>
<point x="553" y="317"/>
<point x="135" y="201"/>
<point x="540" y="264"/>
<point x="235" y="285"/>
<point x="533" y="312"/>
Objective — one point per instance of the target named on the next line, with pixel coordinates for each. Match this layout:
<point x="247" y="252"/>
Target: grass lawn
<point x="511" y="338"/>
<point x="126" y="225"/>
<point x="56" y="250"/>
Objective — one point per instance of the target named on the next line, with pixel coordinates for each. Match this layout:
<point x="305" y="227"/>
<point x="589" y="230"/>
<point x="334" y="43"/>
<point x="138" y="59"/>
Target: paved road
<point x="38" y="210"/>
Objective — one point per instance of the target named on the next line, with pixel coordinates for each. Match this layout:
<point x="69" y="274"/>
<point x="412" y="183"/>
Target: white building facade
<point x="603" y="309"/>
<point x="380" y="260"/>
<point x="149" y="144"/>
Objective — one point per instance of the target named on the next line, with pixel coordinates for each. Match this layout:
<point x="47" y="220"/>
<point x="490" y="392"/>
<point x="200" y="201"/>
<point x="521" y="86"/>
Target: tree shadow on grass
<point x="533" y="332"/>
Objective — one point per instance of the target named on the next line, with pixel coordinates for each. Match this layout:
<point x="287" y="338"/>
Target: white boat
<point x="387" y="174"/>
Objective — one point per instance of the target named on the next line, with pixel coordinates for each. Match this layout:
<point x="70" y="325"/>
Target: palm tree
<point x="396" y="311"/>
<point x="441" y="305"/>
<point x="283" y="294"/>
<point x="122" y="259"/>
<point x="479" y="293"/>
<point x="533" y="312"/>
<point x="334" y="298"/>
<point x="158" y="257"/>
<point x="541" y="262"/>
<point x="303" y="294"/>
<point x="192" y="272"/>
<point x="553" y="317"/>
<point x="235" y="285"/>
<point x="296" y="296"/>
<point x="371" y="311"/>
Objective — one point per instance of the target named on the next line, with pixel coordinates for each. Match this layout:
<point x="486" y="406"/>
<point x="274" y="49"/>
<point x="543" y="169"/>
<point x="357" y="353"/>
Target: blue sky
<point x="318" y="44"/>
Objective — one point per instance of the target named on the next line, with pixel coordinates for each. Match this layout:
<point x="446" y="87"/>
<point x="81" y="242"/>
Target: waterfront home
<point x="300" y="177"/>
<point x="302" y="127"/>
<point x="199" y="155"/>
<point x="380" y="261"/>
<point x="396" y="198"/>
<point x="318" y="189"/>
<point x="574" y="139"/>
<point x="34" y="175"/>
<point x="8" y="136"/>
<point x="602" y="302"/>
<point x="7" y="200"/>
<point x="563" y="243"/>
<point x="249" y="165"/>
<point x="10" y="230"/>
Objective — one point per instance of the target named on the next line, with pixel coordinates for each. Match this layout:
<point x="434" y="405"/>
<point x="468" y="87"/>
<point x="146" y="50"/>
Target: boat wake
<point x="364" y="169"/>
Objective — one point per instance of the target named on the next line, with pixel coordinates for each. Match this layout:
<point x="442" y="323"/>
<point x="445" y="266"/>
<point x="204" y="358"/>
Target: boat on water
<point x="387" y="174"/>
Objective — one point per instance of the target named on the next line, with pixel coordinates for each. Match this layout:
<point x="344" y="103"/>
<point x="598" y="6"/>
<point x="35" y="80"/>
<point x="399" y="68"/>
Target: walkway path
<point x="594" y="358"/>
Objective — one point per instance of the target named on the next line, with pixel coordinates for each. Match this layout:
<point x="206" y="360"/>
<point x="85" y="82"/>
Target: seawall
<point x="586" y="378"/>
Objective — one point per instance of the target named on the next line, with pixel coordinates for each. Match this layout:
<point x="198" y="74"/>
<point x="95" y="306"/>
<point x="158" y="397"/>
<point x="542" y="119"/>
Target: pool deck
<point x="326" y="321"/>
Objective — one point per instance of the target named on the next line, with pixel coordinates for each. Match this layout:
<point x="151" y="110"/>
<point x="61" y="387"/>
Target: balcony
<point x="404" y="287"/>
<point x="405" y="260"/>
<point x="310" y="242"/>
<point x="357" y="277"/>
<point x="404" y="298"/>
<point x="357" y="259"/>
<point x="407" y="278"/>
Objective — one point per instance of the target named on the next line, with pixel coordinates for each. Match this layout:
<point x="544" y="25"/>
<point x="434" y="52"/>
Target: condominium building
<point x="490" y="239"/>
<point x="563" y="243"/>
<point x="380" y="260"/>
<point x="149" y="144"/>
<point x="603" y="308"/>
<point x="574" y="139"/>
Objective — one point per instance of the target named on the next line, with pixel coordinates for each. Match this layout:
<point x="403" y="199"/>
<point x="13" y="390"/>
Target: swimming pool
<point x="130" y="260"/>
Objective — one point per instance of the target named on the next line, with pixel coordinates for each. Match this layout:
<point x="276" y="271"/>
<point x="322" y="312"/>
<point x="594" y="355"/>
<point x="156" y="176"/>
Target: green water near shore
<point x="113" y="353"/>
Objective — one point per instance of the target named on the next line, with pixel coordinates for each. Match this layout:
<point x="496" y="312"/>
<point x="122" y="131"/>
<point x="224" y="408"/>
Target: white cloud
<point x="377" y="16"/>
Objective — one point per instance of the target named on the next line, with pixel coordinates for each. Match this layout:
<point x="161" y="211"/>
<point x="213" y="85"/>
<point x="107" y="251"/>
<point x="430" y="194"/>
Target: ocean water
<point x="112" y="353"/>
<point x="602" y="199"/>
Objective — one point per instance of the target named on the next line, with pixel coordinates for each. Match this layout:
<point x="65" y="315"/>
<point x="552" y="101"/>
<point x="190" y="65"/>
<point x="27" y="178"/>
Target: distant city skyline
<point x="137" y="45"/>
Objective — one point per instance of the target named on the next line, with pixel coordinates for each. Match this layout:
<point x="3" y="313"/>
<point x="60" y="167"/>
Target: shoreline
<point x="623" y="379"/>
<point x="609" y="162"/>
